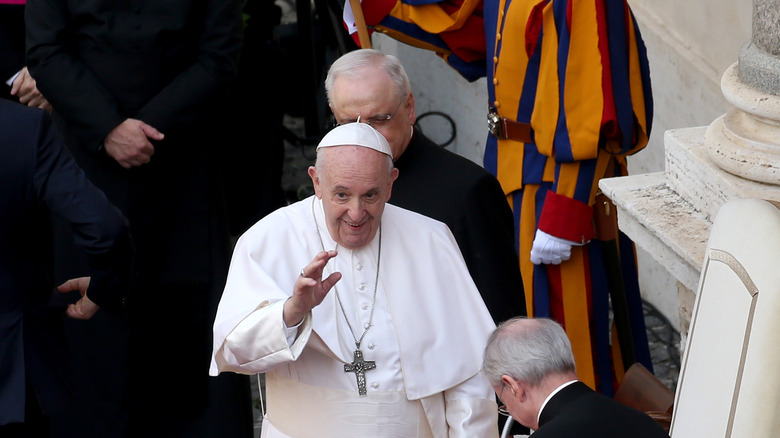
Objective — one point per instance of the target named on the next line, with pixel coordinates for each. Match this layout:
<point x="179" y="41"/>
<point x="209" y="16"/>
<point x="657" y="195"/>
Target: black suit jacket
<point x="38" y="177"/>
<point x="452" y="189"/>
<point x="578" y="411"/>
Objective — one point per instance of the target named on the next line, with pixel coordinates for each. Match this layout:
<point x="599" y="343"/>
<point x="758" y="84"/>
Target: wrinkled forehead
<point x="350" y="161"/>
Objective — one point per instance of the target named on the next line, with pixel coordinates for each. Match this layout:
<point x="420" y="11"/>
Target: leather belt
<point x="506" y="129"/>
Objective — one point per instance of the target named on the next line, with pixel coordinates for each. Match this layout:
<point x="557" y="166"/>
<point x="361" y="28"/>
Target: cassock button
<point x="375" y="385"/>
<point x="495" y="81"/>
<point x="362" y="286"/>
<point x="364" y="306"/>
<point x="371" y="346"/>
<point x="366" y="326"/>
<point x="495" y="60"/>
<point x="498" y="36"/>
<point x="496" y="104"/>
<point x="359" y="266"/>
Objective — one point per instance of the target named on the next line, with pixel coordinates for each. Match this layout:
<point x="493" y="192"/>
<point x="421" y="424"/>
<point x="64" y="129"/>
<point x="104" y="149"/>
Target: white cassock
<point x="427" y="336"/>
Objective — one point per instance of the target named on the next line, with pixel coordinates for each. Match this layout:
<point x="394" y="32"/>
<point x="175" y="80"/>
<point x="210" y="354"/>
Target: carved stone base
<point x="746" y="140"/>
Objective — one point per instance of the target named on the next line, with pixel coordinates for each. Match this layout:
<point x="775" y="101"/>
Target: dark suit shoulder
<point x="12" y="113"/>
<point x="578" y="411"/>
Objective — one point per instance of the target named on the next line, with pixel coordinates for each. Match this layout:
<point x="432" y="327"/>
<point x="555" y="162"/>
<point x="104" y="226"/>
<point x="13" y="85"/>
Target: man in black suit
<point x="137" y="89"/>
<point x="368" y="85"/>
<point x="38" y="177"/>
<point x="530" y="365"/>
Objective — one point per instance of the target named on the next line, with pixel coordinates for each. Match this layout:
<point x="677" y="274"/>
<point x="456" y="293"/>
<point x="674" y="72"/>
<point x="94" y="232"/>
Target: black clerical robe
<point x="452" y="189"/>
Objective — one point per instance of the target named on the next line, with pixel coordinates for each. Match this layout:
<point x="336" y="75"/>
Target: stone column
<point x="746" y="140"/>
<point x="759" y="66"/>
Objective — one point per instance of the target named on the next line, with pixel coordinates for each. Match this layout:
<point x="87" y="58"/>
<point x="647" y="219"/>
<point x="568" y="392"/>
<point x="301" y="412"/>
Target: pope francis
<point x="361" y="314"/>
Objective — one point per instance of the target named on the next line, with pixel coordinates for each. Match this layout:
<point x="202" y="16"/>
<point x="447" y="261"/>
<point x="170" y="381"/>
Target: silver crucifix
<point x="359" y="367"/>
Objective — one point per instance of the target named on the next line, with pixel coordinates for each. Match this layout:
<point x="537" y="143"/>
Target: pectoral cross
<point x="359" y="367"/>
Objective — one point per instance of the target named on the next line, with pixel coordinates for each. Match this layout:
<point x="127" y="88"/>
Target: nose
<point x="355" y="209"/>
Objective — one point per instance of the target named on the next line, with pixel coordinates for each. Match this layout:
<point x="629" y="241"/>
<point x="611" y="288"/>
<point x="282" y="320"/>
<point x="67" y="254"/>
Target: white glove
<point x="550" y="250"/>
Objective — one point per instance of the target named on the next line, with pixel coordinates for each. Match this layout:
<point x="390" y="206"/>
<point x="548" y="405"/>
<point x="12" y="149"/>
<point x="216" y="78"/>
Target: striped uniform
<point x="577" y="72"/>
<point x="453" y="29"/>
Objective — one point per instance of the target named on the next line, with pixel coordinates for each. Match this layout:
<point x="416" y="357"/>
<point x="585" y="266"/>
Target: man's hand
<point x="84" y="307"/>
<point x="25" y="88"/>
<point x="550" y="250"/>
<point x="310" y="289"/>
<point x="129" y="143"/>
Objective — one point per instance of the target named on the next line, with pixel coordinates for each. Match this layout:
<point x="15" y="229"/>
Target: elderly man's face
<point x="354" y="184"/>
<point x="373" y="97"/>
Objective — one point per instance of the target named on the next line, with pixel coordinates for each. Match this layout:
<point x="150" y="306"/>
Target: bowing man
<point x="530" y="364"/>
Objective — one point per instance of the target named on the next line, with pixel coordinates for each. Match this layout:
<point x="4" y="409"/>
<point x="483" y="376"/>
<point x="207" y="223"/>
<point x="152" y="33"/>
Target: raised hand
<point x="310" y="288"/>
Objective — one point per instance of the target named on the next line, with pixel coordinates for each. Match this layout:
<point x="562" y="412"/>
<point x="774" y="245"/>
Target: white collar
<point x="555" y="391"/>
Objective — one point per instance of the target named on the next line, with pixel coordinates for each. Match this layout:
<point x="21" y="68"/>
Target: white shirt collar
<point x="555" y="391"/>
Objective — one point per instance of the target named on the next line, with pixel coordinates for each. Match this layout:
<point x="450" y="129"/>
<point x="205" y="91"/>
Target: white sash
<point x="298" y="410"/>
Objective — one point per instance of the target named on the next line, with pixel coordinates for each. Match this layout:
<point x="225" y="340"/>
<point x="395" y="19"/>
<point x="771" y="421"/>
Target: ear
<point x="393" y="177"/>
<point x="409" y="105"/>
<point x="518" y="389"/>
<point x="315" y="180"/>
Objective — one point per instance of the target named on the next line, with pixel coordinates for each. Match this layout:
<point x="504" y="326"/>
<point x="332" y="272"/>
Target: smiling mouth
<point x="354" y="224"/>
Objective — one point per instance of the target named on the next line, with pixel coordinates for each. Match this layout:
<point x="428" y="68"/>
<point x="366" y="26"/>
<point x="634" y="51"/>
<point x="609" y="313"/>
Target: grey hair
<point x="528" y="350"/>
<point x="352" y="63"/>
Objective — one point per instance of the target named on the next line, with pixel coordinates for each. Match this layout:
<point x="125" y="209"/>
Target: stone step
<point x="661" y="222"/>
<point x="668" y="214"/>
<point x="693" y="175"/>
